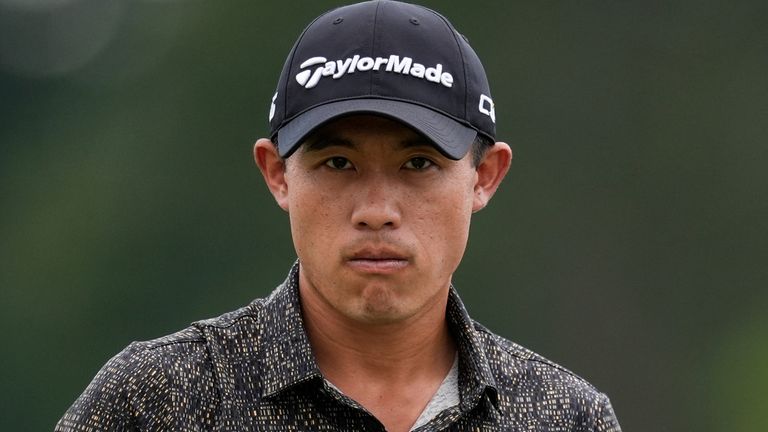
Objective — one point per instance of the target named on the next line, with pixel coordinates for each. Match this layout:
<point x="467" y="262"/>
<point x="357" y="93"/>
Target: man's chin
<point x="379" y="307"/>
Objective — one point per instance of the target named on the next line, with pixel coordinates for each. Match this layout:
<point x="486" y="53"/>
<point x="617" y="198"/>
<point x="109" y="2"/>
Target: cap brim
<point x="448" y="135"/>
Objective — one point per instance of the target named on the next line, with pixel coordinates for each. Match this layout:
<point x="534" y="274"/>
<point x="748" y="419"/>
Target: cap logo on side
<point x="486" y="107"/>
<point x="336" y="69"/>
<point x="272" y="107"/>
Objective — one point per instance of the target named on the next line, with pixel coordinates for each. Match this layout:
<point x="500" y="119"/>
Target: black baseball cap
<point x="386" y="58"/>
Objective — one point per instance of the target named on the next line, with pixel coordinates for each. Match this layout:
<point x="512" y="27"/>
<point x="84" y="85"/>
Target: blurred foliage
<point x="628" y="243"/>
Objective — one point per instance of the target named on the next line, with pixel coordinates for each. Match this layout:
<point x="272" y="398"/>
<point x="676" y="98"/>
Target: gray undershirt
<point x="446" y="396"/>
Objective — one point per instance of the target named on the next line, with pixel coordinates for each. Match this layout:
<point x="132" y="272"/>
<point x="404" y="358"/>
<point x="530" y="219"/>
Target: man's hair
<point x="479" y="148"/>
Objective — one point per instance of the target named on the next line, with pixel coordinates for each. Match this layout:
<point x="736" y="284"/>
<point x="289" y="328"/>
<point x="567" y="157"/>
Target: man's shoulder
<point x="190" y="345"/>
<point x="151" y="374"/>
<point x="532" y="387"/>
<point x="177" y="359"/>
<point x="198" y="335"/>
<point x="515" y="366"/>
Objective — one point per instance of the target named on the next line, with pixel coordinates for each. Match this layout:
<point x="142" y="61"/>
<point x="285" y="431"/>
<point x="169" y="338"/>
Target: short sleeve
<point x="128" y="394"/>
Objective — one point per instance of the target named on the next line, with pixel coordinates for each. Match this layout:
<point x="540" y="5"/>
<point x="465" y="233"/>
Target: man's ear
<point x="272" y="167"/>
<point x="490" y="172"/>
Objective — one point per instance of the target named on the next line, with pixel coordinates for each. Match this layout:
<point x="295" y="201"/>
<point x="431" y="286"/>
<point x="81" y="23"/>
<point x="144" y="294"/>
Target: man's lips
<point x="378" y="260"/>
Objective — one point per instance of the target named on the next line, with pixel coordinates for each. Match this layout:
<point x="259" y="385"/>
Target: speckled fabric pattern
<point x="253" y="370"/>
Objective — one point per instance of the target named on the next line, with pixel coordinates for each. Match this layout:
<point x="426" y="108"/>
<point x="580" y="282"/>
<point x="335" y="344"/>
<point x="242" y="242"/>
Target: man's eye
<point x="339" y="163"/>
<point x="418" y="163"/>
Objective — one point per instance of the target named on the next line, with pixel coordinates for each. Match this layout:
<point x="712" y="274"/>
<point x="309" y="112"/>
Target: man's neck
<point x="393" y="368"/>
<point x="390" y="350"/>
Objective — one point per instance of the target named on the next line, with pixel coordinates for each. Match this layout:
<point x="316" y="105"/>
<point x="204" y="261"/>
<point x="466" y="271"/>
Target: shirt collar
<point x="287" y="356"/>
<point x="288" y="360"/>
<point x="475" y="376"/>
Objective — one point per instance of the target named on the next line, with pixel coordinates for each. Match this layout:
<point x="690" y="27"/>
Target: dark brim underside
<point x="449" y="136"/>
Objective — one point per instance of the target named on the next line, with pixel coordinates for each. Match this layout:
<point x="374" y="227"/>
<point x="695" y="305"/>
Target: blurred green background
<point x="629" y="242"/>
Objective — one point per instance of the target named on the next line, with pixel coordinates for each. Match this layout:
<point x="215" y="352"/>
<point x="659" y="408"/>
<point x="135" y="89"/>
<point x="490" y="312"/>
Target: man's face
<point x="379" y="217"/>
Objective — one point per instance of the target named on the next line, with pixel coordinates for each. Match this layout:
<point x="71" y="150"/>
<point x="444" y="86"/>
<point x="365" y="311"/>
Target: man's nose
<point x="377" y="206"/>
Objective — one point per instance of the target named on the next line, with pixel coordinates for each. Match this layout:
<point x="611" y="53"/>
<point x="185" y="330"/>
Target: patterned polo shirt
<point x="253" y="370"/>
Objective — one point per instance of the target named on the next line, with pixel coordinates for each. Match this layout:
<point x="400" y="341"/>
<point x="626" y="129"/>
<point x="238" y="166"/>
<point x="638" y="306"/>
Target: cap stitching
<point x="373" y="44"/>
<point x="455" y="34"/>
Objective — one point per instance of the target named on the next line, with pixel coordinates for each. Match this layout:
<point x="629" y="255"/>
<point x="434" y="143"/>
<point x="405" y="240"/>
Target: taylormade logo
<point x="394" y="63"/>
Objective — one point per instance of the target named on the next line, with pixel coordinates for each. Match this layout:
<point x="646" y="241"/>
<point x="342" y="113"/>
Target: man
<point x="382" y="147"/>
